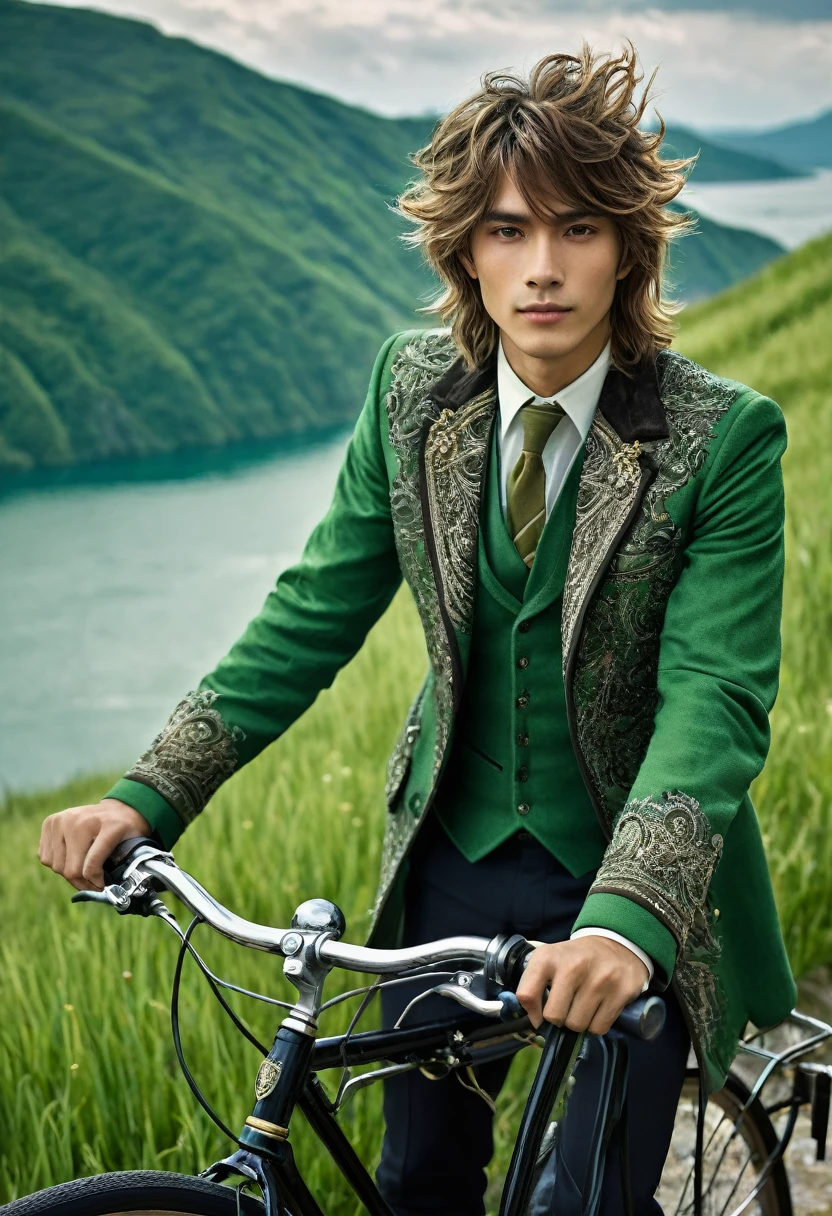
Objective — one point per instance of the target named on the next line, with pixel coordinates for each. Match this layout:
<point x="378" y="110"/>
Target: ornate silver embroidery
<point x="455" y="456"/>
<point x="663" y="855"/>
<point x="694" y="400"/>
<point x="614" y="687"/>
<point x="605" y="497"/>
<point x="402" y="753"/>
<point x="614" y="683"/>
<point x="415" y="368"/>
<point x="191" y="756"/>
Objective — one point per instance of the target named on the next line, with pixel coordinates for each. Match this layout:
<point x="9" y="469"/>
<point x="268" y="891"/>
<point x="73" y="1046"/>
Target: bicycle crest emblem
<point x="268" y="1075"/>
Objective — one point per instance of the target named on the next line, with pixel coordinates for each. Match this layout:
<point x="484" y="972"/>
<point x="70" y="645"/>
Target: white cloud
<point x="716" y="68"/>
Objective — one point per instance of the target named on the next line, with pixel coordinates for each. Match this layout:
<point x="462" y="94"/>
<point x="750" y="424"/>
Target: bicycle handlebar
<point x="140" y="865"/>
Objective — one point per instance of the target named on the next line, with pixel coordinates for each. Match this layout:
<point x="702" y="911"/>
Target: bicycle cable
<point x="213" y="981"/>
<point x="177" y="1041"/>
<point x="401" y="979"/>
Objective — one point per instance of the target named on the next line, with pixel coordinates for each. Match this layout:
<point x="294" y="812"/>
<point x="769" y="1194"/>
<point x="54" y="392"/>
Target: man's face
<point x="522" y="261"/>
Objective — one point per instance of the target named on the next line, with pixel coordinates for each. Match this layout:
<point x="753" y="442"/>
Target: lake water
<point x="791" y="210"/>
<point x="122" y="587"/>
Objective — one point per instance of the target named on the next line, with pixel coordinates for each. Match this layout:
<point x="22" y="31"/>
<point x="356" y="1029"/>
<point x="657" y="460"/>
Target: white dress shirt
<point x="579" y="400"/>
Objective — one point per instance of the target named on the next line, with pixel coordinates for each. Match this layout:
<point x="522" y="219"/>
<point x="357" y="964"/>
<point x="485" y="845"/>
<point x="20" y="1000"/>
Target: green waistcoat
<point x="512" y="764"/>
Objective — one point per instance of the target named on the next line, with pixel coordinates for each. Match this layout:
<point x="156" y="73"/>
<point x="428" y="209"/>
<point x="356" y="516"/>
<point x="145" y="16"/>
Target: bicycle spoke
<point x="723" y="1211"/>
<point x="737" y="1171"/>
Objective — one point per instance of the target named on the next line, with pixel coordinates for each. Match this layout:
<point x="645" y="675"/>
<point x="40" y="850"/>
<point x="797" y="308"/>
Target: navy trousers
<point x="438" y="1137"/>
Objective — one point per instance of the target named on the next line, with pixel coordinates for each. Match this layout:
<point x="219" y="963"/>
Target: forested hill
<point x="191" y="253"/>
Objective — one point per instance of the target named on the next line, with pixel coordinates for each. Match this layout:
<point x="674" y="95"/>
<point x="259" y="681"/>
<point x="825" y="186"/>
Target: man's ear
<point x="624" y="271"/>
<point x="468" y="264"/>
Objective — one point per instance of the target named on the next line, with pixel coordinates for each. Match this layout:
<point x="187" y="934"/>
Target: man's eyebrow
<point x="520" y="217"/>
<point x="506" y="217"/>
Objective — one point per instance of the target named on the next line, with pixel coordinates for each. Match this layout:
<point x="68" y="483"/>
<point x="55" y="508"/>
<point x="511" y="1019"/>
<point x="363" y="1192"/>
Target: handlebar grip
<point x="643" y="1018"/>
<point x="119" y="858"/>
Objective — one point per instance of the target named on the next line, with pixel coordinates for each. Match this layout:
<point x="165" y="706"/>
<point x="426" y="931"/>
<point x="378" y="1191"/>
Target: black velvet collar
<point x="631" y="404"/>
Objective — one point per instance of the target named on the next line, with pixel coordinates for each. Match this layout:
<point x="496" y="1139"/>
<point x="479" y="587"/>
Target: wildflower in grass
<point x="327" y="777"/>
<point x="345" y="806"/>
<point x="127" y="975"/>
<point x="69" y="1008"/>
<point x="73" y="1067"/>
<point x="247" y="824"/>
<point x="346" y="771"/>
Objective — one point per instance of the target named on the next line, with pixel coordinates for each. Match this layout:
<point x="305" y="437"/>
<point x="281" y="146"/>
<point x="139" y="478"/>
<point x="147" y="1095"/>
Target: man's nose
<point x="545" y="266"/>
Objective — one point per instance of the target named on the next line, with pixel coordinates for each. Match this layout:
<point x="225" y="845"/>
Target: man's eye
<point x="585" y="227"/>
<point x="507" y="231"/>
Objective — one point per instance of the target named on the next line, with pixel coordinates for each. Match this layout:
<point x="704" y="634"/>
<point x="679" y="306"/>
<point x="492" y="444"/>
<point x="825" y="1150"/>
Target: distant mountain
<point x="803" y="145"/>
<point x="192" y="254"/>
<point x="703" y="264"/>
<point x="718" y="163"/>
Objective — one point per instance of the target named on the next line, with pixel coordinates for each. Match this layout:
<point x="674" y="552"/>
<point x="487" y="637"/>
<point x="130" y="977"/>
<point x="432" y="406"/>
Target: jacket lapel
<point x="454" y="456"/>
<point x="616" y="472"/>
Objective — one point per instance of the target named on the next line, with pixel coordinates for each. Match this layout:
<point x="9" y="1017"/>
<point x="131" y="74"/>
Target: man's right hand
<point x="77" y="842"/>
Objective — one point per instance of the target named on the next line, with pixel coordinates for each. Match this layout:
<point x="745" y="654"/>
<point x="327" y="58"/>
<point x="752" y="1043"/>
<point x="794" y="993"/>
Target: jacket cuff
<point x="161" y="816"/>
<point x="625" y="916"/>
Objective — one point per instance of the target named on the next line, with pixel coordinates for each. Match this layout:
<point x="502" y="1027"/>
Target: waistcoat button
<point x="523" y="700"/>
<point x="522" y="740"/>
<point x="522" y="663"/>
<point x="523" y="774"/>
<point x="524" y="626"/>
<point x="523" y="808"/>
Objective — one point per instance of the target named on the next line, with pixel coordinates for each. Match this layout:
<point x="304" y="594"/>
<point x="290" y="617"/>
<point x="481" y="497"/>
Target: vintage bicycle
<point x="726" y="1157"/>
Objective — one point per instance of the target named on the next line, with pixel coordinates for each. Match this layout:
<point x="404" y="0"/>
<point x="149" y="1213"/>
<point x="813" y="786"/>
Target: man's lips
<point x="545" y="312"/>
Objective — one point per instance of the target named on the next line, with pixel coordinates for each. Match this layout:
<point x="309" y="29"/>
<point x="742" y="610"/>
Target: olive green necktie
<point x="526" y="488"/>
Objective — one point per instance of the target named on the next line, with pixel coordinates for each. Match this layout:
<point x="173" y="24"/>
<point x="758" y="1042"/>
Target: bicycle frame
<point x="294" y="1062"/>
<point x="287" y="1078"/>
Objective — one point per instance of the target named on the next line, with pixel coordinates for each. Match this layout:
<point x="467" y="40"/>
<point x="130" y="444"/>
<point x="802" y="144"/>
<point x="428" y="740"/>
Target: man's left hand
<point x="590" y="980"/>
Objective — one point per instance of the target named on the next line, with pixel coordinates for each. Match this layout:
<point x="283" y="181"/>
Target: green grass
<point x="88" y="1078"/>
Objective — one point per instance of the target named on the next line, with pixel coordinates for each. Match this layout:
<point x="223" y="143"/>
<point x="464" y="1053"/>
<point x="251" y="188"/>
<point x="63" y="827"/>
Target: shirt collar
<point x="579" y="398"/>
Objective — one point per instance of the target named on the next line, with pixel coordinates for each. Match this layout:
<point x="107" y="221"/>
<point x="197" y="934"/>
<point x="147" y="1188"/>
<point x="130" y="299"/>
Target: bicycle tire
<point x="135" y="1193"/>
<point x="758" y="1137"/>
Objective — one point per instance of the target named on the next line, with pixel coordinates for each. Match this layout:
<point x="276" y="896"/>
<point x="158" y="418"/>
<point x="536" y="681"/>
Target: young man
<point x="592" y="529"/>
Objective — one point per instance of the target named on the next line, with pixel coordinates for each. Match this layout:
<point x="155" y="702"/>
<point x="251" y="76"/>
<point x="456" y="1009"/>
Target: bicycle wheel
<point x="135" y="1193"/>
<point x="736" y="1151"/>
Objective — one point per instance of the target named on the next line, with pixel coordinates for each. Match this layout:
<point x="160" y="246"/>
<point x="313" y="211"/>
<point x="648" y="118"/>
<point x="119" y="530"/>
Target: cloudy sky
<point x="722" y="63"/>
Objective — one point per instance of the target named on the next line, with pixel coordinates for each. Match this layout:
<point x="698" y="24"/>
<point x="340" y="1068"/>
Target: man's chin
<point x="545" y="345"/>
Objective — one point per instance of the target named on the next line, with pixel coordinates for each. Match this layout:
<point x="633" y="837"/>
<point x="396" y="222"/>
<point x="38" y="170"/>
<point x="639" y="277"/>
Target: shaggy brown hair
<point x="572" y="127"/>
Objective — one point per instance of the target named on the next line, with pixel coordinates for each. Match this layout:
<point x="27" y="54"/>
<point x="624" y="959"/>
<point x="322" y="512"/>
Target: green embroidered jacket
<point x="670" y="652"/>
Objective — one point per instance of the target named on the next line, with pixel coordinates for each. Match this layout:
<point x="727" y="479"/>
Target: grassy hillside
<point x="192" y="254"/>
<point x="88" y="1079"/>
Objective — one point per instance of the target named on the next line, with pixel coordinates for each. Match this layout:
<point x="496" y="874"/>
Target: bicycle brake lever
<point x="91" y="897"/>
<point x="506" y="1006"/>
<point x="123" y="899"/>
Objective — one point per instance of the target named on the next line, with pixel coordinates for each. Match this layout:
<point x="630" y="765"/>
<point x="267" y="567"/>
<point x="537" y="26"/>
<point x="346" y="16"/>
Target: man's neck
<point x="545" y="377"/>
